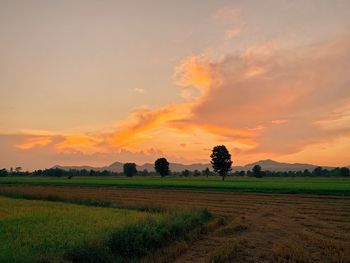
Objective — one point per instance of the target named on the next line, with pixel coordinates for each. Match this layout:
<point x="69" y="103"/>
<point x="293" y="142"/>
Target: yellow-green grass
<point x="44" y="231"/>
<point x="40" y="230"/>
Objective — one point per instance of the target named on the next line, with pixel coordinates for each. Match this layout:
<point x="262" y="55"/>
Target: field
<point x="30" y="227"/>
<point x="42" y="231"/>
<point x="330" y="186"/>
<point x="254" y="227"/>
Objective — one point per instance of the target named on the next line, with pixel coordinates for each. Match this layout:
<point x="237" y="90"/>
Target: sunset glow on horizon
<point x="93" y="82"/>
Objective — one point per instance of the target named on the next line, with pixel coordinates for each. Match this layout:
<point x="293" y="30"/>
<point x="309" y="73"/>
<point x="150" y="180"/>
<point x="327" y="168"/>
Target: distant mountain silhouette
<point x="277" y="166"/>
<point x="178" y="167"/>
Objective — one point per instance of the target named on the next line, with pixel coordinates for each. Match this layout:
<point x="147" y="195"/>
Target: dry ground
<point x="257" y="227"/>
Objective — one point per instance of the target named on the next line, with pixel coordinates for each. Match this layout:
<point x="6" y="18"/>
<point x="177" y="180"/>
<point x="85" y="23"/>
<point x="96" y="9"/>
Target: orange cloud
<point x="142" y="121"/>
<point x="79" y="143"/>
<point x="34" y="141"/>
<point x="194" y="71"/>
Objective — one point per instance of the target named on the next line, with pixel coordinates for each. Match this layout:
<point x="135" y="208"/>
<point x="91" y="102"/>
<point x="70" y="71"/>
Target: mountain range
<point x="178" y="167"/>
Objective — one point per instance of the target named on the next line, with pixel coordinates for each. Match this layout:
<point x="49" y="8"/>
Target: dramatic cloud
<point x="268" y="101"/>
<point x="285" y="91"/>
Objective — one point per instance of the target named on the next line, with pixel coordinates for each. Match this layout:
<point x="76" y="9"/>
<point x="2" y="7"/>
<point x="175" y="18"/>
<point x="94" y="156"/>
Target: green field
<point x="42" y="231"/>
<point x="33" y="230"/>
<point x="331" y="186"/>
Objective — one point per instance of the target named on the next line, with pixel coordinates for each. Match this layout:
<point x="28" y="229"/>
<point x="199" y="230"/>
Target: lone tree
<point x="129" y="169"/>
<point x="257" y="171"/>
<point x="221" y="160"/>
<point x="206" y="172"/>
<point x="161" y="166"/>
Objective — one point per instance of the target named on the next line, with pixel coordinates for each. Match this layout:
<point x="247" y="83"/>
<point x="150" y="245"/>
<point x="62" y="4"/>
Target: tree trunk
<point x="223" y="177"/>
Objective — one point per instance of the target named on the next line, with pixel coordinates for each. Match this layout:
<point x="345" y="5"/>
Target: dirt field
<point x="257" y="228"/>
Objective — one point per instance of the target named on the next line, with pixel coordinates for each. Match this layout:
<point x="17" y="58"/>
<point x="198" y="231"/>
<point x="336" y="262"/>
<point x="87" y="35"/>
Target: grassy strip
<point x="82" y="201"/>
<point x="136" y="241"/>
<point x="321" y="186"/>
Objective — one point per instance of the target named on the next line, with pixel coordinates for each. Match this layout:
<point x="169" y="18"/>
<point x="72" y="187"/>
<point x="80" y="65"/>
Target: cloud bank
<point x="266" y="101"/>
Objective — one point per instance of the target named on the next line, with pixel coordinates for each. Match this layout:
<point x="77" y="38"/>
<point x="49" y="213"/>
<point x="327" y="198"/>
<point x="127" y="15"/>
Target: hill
<point x="278" y="166"/>
<point x="178" y="167"/>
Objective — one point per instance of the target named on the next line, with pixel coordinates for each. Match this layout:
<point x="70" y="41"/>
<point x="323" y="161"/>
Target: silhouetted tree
<point x="129" y="169"/>
<point x="306" y="172"/>
<point x="206" y="172"/>
<point x="344" y="171"/>
<point x="144" y="172"/>
<point x="241" y="173"/>
<point x="257" y="171"/>
<point x="185" y="173"/>
<point x="221" y="160"/>
<point x="54" y="172"/>
<point x="3" y="173"/>
<point x="103" y="173"/>
<point x="161" y="166"/>
<point x="196" y="173"/>
<point x="318" y="171"/>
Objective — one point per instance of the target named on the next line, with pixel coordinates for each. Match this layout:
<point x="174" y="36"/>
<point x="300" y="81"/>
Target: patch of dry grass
<point x="290" y="252"/>
<point x="228" y="253"/>
<point x="234" y="228"/>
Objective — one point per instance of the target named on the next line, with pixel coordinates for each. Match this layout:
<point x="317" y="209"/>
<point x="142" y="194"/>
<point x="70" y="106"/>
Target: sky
<point x="92" y="82"/>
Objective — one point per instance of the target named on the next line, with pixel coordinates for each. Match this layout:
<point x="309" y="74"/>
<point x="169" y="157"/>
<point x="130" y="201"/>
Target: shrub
<point x="136" y="241"/>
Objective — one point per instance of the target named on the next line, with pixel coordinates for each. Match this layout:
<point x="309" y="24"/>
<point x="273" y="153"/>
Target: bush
<point x="136" y="241"/>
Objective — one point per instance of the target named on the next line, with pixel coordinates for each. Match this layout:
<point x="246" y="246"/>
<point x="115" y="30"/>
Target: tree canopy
<point x="129" y="169"/>
<point x="161" y="166"/>
<point x="221" y="160"/>
<point x="257" y="171"/>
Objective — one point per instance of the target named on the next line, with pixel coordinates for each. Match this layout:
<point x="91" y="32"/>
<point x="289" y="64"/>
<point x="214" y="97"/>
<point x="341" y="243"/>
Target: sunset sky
<point x="92" y="82"/>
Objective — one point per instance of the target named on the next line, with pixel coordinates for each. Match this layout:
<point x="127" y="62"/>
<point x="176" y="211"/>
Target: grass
<point x="33" y="230"/>
<point x="330" y="186"/>
<point x="82" y="201"/>
<point x="42" y="231"/>
<point x="232" y="251"/>
<point x="290" y="252"/>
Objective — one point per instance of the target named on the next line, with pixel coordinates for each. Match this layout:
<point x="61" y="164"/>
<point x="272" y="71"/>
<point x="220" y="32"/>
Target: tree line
<point x="220" y="160"/>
